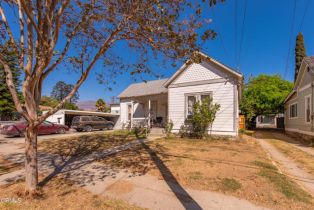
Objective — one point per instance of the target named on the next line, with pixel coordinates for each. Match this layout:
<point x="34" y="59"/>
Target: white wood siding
<point x="199" y="72"/>
<point x="223" y="94"/>
<point x="58" y="117"/>
<point x="124" y="111"/>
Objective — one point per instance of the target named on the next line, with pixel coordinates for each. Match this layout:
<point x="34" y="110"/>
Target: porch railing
<point x="140" y="122"/>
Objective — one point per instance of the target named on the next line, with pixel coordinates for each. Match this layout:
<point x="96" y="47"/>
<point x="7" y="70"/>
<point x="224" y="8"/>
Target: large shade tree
<point x="264" y="94"/>
<point x="51" y="34"/>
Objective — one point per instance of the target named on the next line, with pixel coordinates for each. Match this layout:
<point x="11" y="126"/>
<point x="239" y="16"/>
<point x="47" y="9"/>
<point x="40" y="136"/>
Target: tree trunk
<point x="31" y="168"/>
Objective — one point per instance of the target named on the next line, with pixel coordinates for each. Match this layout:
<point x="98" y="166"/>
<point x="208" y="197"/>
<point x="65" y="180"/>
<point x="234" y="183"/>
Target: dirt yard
<point x="57" y="195"/>
<point x="305" y="160"/>
<point x="237" y="168"/>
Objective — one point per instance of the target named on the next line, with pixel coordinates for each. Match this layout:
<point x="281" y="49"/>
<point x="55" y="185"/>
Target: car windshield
<point x="76" y="119"/>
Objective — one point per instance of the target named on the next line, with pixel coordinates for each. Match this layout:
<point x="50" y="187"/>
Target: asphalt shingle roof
<point x="310" y="61"/>
<point x="145" y="88"/>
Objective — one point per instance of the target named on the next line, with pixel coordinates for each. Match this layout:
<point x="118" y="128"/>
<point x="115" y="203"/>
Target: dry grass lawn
<point x="237" y="168"/>
<point x="57" y="195"/>
<point x="303" y="159"/>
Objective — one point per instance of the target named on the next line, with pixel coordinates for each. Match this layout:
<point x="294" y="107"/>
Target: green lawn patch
<point x="230" y="184"/>
<point x="287" y="187"/>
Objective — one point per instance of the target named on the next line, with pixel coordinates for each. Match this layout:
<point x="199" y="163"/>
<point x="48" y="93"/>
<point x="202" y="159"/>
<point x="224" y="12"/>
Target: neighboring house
<point x="299" y="103"/>
<point x="115" y="108"/>
<point x="268" y="121"/>
<point x="173" y="98"/>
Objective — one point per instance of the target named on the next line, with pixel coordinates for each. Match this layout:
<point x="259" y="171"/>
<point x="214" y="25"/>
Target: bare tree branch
<point x="30" y="17"/>
<point x="67" y="45"/>
<point x="83" y="77"/>
<point x="22" y="47"/>
<point x="9" y="31"/>
<point x="58" y="23"/>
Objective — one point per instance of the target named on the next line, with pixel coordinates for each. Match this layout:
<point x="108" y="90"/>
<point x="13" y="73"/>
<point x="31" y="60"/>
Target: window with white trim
<point x="191" y="99"/>
<point x="293" y="110"/>
<point x="308" y="109"/>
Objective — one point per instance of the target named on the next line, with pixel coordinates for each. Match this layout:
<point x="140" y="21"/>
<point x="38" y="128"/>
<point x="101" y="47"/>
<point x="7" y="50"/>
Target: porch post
<point x="149" y="107"/>
<point x="132" y="110"/>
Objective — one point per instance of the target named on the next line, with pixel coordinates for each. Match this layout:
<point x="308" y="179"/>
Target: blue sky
<point x="265" y="45"/>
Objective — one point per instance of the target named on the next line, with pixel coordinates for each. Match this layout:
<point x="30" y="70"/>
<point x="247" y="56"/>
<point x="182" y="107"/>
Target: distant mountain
<point x="86" y="105"/>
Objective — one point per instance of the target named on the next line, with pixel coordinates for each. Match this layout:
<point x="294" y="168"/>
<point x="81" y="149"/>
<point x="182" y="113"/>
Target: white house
<point x="173" y="98"/>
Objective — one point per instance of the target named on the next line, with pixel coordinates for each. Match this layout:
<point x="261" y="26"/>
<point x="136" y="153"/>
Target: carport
<point x="65" y="116"/>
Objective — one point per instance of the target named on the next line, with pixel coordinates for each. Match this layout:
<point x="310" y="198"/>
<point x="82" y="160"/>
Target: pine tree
<point x="61" y="90"/>
<point x="300" y="53"/>
<point x="7" y="107"/>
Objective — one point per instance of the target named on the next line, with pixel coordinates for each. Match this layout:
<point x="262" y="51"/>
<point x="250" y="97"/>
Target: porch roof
<point x="145" y="88"/>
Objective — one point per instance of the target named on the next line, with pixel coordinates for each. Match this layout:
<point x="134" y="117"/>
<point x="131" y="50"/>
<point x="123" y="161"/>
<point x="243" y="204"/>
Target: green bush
<point x="168" y="128"/>
<point x="140" y="132"/>
<point x="203" y="117"/>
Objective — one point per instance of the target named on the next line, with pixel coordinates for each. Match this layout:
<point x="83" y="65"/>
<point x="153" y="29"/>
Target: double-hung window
<point x="191" y="99"/>
<point x="293" y="110"/>
<point x="308" y="109"/>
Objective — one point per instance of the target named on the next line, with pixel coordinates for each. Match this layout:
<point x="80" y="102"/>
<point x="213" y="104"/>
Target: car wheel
<point x="79" y="130"/>
<point x="88" y="128"/>
<point x="110" y="127"/>
<point x="22" y="134"/>
<point x="61" y="131"/>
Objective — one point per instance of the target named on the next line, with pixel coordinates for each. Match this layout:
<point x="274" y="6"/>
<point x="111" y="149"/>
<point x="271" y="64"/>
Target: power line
<point x="290" y="39"/>
<point x="304" y="14"/>
<point x="236" y="30"/>
<point x="220" y="36"/>
<point x="242" y="33"/>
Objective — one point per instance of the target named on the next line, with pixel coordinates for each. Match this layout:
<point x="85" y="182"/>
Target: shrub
<point x="203" y="117"/>
<point x="168" y="128"/>
<point x="140" y="132"/>
<point x="184" y="131"/>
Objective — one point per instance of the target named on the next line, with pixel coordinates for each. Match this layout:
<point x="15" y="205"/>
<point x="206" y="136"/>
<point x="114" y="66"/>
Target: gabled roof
<point x="145" y="88"/>
<point x="160" y="86"/>
<point x="306" y="62"/>
<point x="207" y="59"/>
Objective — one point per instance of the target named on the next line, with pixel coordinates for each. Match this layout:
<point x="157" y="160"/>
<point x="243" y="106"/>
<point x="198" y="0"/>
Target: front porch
<point x="151" y="111"/>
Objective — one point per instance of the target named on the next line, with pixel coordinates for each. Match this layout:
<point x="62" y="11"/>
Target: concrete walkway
<point x="142" y="190"/>
<point x="288" y="166"/>
<point x="152" y="193"/>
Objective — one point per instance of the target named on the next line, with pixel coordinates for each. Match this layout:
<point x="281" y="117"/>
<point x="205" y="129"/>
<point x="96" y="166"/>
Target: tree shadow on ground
<point x="72" y="157"/>
<point x="183" y="196"/>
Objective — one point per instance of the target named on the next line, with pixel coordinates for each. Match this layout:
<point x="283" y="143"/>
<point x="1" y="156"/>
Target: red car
<point x="18" y="129"/>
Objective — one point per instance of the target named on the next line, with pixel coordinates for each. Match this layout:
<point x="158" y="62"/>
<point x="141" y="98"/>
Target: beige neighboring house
<point x="299" y="103"/>
<point x="159" y="101"/>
